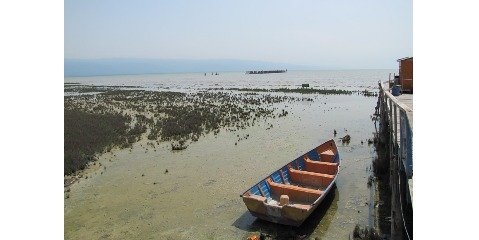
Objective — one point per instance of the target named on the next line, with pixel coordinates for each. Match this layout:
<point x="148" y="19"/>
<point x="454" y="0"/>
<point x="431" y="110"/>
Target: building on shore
<point x="406" y="74"/>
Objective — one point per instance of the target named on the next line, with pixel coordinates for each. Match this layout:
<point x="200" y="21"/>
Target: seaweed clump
<point x="87" y="134"/>
<point x="302" y="90"/>
<point x="366" y="233"/>
<point x="119" y="117"/>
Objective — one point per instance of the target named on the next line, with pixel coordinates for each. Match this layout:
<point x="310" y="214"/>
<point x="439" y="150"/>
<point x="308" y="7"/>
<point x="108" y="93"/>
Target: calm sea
<point x="341" y="79"/>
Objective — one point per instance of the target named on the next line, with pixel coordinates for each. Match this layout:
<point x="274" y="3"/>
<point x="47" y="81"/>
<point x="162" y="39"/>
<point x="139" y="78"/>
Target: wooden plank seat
<point x="326" y="156"/>
<point x="295" y="193"/>
<point x="321" y="167"/>
<point x="310" y="178"/>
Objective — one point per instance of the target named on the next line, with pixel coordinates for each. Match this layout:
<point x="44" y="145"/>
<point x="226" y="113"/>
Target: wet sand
<point x="131" y="196"/>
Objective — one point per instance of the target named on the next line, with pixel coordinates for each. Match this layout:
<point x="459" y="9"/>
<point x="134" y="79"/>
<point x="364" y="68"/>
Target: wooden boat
<point x="290" y="194"/>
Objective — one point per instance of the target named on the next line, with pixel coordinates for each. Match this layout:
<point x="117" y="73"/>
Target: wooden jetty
<point x="267" y="71"/>
<point x="396" y="131"/>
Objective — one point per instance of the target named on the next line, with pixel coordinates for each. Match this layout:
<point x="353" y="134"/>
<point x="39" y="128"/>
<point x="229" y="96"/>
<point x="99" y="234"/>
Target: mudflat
<point x="149" y="191"/>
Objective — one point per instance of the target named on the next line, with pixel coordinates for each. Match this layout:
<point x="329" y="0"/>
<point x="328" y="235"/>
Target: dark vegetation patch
<point x="306" y="90"/>
<point x="249" y="89"/>
<point x="367" y="233"/>
<point x="118" y="117"/>
<point x="381" y="169"/>
<point x="80" y="88"/>
<point x="368" y="93"/>
<point x="296" y="90"/>
<point x="384" y="203"/>
<point x="87" y="134"/>
<point x="84" y="89"/>
<point x="314" y="91"/>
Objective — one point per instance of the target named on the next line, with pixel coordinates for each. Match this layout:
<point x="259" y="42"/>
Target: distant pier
<point x="267" y="71"/>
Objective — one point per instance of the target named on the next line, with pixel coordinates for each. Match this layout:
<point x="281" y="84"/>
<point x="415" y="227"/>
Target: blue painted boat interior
<point x="285" y="172"/>
<point x="276" y="177"/>
<point x="313" y="155"/>
<point x="282" y="175"/>
<point x="265" y="189"/>
<point x="255" y="190"/>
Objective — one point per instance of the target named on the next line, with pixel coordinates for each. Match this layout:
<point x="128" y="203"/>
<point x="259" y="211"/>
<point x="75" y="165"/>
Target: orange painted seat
<point x="295" y="193"/>
<point x="327" y="155"/>
<point x="321" y="167"/>
<point x="293" y="187"/>
<point x="310" y="178"/>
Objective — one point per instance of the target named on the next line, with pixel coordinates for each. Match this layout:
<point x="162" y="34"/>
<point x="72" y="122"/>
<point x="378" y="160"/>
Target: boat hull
<point x="289" y="195"/>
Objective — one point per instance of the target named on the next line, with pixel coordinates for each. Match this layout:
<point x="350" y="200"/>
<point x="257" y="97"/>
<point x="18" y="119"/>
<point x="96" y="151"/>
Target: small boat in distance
<point x="290" y="194"/>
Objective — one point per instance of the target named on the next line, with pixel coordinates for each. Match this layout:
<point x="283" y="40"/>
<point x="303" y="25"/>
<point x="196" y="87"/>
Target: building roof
<point x="406" y="58"/>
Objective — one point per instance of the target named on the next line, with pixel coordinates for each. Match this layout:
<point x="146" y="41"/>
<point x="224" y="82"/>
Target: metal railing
<point x="402" y="148"/>
<point x="399" y="122"/>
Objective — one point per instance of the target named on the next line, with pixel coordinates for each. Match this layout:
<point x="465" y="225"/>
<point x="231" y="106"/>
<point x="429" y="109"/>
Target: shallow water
<point x="343" y="79"/>
<point x="133" y="198"/>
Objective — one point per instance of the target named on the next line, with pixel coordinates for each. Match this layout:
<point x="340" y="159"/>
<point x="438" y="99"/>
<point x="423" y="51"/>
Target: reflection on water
<point x="133" y="197"/>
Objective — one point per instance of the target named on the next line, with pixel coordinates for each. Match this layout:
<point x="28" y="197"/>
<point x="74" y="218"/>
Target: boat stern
<point x="290" y="214"/>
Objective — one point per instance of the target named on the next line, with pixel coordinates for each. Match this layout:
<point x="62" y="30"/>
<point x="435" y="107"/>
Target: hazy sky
<point x="330" y="33"/>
